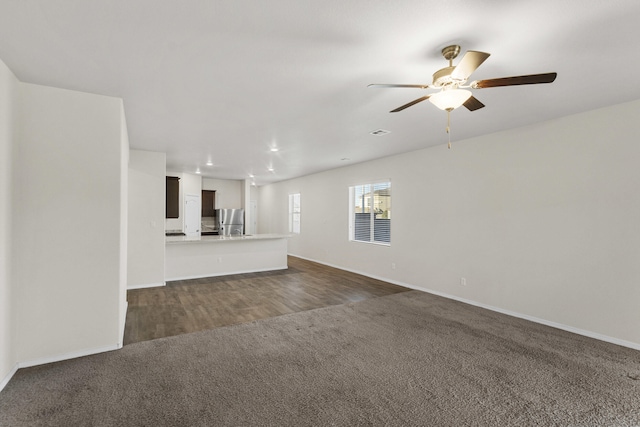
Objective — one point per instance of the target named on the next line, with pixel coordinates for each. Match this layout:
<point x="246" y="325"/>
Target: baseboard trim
<point x="545" y="322"/>
<point x="586" y="333"/>
<point x="200" y="276"/>
<point x="8" y="377"/>
<point x="61" y="357"/>
<point x="67" y="356"/>
<point x="148" y="285"/>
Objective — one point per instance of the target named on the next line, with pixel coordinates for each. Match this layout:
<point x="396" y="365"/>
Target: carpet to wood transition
<point x="409" y="359"/>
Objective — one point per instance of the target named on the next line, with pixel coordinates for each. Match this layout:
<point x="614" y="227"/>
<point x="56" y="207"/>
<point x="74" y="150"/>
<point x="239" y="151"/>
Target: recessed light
<point x="209" y="163"/>
<point x="198" y="171"/>
<point x="270" y="169"/>
<point x="274" y="149"/>
<point x="251" y="175"/>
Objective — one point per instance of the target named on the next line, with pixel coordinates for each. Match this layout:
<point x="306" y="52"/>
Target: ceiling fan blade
<point x="392" y="85"/>
<point x="473" y="104"/>
<point x="468" y="64"/>
<point x="531" y="79"/>
<point x="414" y="102"/>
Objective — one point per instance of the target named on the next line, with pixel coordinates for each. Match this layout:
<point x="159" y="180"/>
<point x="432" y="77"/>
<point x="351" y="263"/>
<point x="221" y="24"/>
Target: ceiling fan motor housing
<point x="442" y="78"/>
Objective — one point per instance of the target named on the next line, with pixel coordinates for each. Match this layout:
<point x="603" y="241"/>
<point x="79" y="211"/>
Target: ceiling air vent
<point x="380" y="132"/>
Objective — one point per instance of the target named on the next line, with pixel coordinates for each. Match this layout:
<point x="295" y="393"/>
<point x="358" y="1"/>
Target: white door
<point x="253" y="226"/>
<point x="192" y="215"/>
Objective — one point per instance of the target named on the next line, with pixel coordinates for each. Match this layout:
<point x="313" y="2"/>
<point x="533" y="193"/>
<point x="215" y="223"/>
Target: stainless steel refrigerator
<point x="230" y="222"/>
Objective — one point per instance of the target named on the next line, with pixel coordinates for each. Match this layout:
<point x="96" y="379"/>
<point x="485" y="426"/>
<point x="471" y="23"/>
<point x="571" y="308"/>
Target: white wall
<point x="251" y="226"/>
<point x="245" y="198"/>
<point x="8" y="88"/>
<point x="228" y="192"/>
<point x="146" y="218"/>
<point x="124" y="223"/>
<point x="67" y="223"/>
<point x="541" y="221"/>
<point x="191" y="185"/>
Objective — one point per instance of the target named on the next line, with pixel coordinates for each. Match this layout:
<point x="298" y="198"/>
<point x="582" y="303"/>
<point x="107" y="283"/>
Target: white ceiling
<point x="227" y="80"/>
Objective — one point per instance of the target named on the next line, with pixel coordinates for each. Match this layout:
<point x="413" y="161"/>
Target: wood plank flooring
<point x="193" y="305"/>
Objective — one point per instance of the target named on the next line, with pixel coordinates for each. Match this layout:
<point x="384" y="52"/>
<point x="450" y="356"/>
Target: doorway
<point x="192" y="215"/>
<point x="253" y="217"/>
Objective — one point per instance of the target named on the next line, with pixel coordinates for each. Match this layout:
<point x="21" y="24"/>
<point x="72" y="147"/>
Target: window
<point x="294" y="213"/>
<point x="370" y="213"/>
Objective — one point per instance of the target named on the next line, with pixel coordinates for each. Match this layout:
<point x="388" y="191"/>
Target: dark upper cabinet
<point x="208" y="203"/>
<point x="173" y="193"/>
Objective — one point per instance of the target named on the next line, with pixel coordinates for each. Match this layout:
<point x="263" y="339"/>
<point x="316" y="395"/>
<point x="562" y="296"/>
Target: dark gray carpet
<point x="401" y="360"/>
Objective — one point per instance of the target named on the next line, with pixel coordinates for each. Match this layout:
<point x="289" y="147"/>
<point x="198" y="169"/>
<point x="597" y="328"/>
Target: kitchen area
<point x="170" y="245"/>
<point x="210" y="230"/>
<point x="208" y="222"/>
<point x="209" y="207"/>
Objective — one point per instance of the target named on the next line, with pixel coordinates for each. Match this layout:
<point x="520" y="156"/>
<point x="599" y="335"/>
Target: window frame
<point x="372" y="216"/>
<point x="292" y="213"/>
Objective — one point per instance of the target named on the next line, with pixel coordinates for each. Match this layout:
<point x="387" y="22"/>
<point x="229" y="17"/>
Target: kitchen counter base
<point x="207" y="257"/>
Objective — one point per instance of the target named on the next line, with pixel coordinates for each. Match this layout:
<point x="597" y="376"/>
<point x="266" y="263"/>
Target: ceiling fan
<point x="451" y="82"/>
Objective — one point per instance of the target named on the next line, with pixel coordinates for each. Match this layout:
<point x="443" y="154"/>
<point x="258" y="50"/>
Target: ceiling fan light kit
<point x="450" y="99"/>
<point x="451" y="83"/>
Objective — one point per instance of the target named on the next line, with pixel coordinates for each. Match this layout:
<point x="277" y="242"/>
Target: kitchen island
<point x="191" y="257"/>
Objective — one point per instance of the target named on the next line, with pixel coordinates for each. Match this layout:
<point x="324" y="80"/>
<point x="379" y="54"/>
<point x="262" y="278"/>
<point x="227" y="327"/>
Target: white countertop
<point x="216" y="239"/>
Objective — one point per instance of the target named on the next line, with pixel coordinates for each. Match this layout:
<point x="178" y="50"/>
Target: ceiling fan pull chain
<point x="448" y="129"/>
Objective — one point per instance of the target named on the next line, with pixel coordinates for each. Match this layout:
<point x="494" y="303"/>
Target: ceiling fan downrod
<point x="450" y="53"/>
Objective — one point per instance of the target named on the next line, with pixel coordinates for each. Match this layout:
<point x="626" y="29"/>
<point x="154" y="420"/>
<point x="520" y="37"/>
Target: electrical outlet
<point x="219" y="259"/>
<point x="393" y="265"/>
<point x="463" y="281"/>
